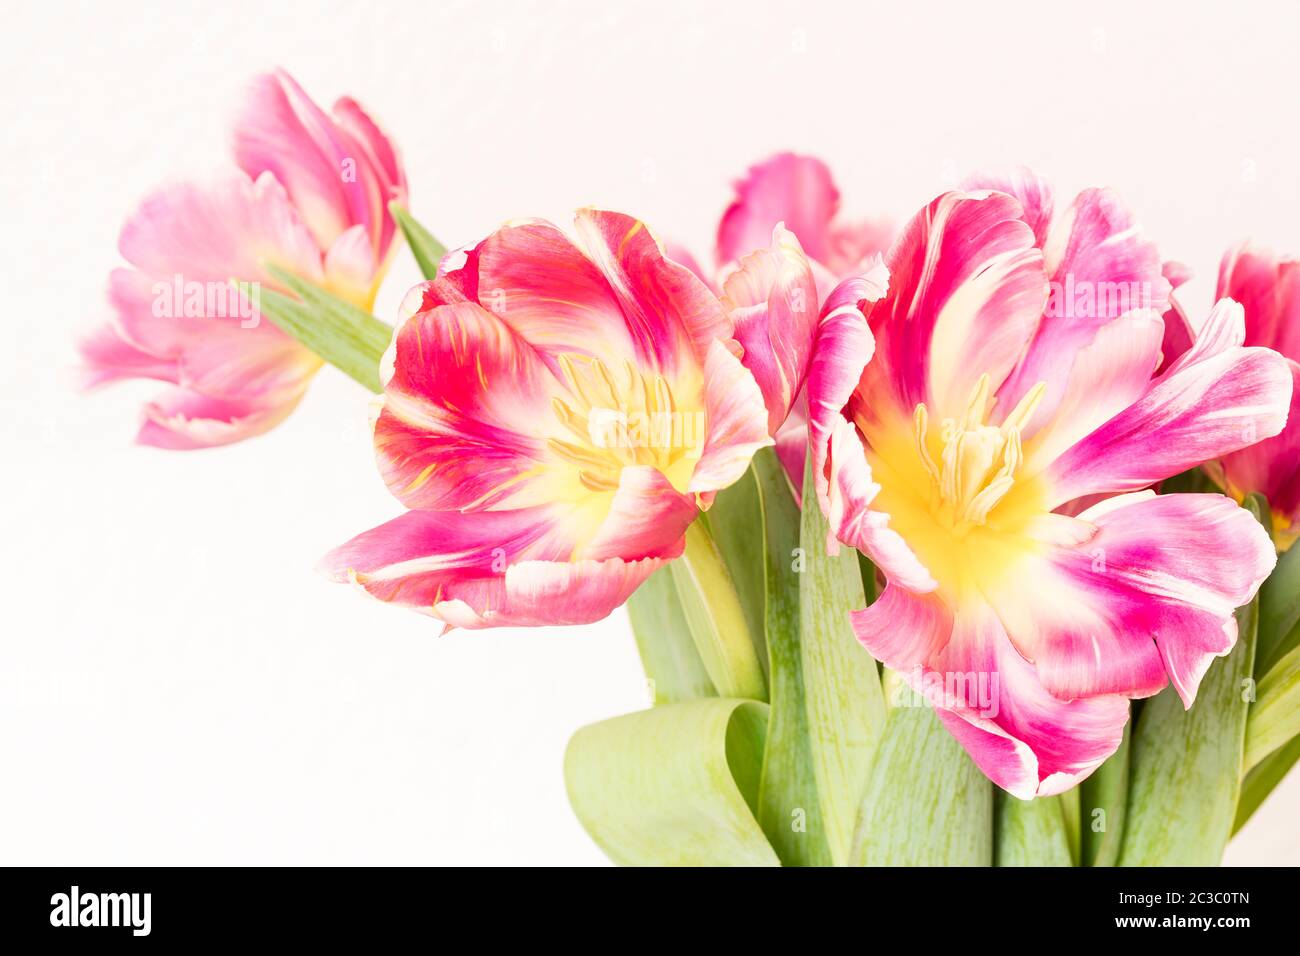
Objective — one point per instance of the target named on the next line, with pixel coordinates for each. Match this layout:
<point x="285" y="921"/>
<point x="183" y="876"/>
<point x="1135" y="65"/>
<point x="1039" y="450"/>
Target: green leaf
<point x="1279" y="612"/>
<point x="1030" y="832"/>
<point x="736" y="521"/>
<point x="673" y="786"/>
<point x="350" y="339"/>
<point x="1259" y="783"/>
<point x="427" y="250"/>
<point x="926" y="803"/>
<point x="841" y="685"/>
<point x="789" y="807"/>
<point x="664" y="641"/>
<point x="1103" y="800"/>
<point x="1187" y="764"/>
<point x="715" y="617"/>
<point x="1274" y="717"/>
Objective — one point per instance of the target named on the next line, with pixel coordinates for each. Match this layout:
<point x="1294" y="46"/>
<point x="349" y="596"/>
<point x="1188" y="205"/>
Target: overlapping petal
<point x="583" y="399"/>
<point x="1216" y="398"/>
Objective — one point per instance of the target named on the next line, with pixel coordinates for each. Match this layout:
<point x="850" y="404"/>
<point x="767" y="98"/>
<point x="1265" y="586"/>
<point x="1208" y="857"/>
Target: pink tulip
<point x="1268" y="288"/>
<point x="556" y="413"/>
<point x="957" y="457"/>
<point x="309" y="194"/>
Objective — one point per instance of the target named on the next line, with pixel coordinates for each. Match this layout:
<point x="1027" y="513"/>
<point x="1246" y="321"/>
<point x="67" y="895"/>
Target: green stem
<point x="716" y="619"/>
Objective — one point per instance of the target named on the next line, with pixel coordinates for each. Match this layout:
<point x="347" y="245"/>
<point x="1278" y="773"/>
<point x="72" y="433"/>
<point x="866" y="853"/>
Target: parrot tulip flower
<point x="308" y="194"/>
<point x="1268" y="288"/>
<point x="992" y="451"/>
<point x="556" y="413"/>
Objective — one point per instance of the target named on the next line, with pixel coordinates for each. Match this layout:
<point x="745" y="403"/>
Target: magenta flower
<point x="1268" y="288"/>
<point x="556" y="413"/>
<point x="309" y="194"/>
<point x="957" y="457"/>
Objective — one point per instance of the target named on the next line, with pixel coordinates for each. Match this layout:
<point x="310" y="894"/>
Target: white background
<point x="176" y="684"/>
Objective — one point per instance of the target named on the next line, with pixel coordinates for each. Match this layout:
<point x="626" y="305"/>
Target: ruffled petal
<point x="672" y="317"/>
<point x="966" y="292"/>
<point x="1108" y="375"/>
<point x="218" y="230"/>
<point x="1029" y="189"/>
<point x="1025" y="739"/>
<point x="1272" y="467"/>
<point x="1153" y="590"/>
<point x="647" y="518"/>
<point x="1100" y="267"/>
<point x="737" y="422"/>
<point x="796" y="190"/>
<point x="183" y="420"/>
<point x="107" y="357"/>
<point x="489" y="569"/>
<point x="1217" y="398"/>
<point x="1268" y="288"/>
<point x="772" y="299"/>
<point x="459" y="426"/>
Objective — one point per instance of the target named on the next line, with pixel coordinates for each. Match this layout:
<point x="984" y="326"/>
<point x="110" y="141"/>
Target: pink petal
<point x="1100" y="267"/>
<point x="1026" y="740"/>
<point x="1107" y="376"/>
<point x="183" y="420"/>
<point x="1272" y="466"/>
<point x="673" y="317"/>
<point x="772" y="299"/>
<point x="466" y="414"/>
<point x="1218" y="397"/>
<point x="1268" y="288"/>
<point x="487" y="569"/>
<point x="1030" y="190"/>
<point x="737" y="421"/>
<point x="196" y="327"/>
<point x="903" y="630"/>
<point x="646" y="519"/>
<point x="216" y="231"/>
<point x="107" y="357"/>
<point x="966" y="292"/>
<point x="796" y="190"/>
<point x="1163" y="572"/>
<point x="1179" y="334"/>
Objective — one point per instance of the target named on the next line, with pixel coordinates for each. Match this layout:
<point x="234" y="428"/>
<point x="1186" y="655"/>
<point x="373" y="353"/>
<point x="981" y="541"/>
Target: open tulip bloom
<point x="951" y="546"/>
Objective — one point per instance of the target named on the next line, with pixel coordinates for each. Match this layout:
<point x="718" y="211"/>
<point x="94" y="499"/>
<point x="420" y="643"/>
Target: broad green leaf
<point x="1279" y="612"/>
<point x="736" y="520"/>
<point x="1274" y="717"/>
<point x="427" y="250"/>
<point x="1030" y="832"/>
<point x="715" y="618"/>
<point x="663" y="638"/>
<point x="673" y="786"/>
<point x="350" y="339"/>
<point x="1103" y="803"/>
<point x="841" y="685"/>
<point x="1186" y="767"/>
<point x="1259" y="783"/>
<point x="788" y="807"/>
<point x="926" y="803"/>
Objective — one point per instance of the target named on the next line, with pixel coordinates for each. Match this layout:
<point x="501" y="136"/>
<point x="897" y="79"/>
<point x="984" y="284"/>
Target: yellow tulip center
<point x="955" y="491"/>
<point x="611" y="418"/>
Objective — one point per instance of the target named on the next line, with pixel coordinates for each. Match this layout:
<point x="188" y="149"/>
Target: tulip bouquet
<point x="956" y="543"/>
